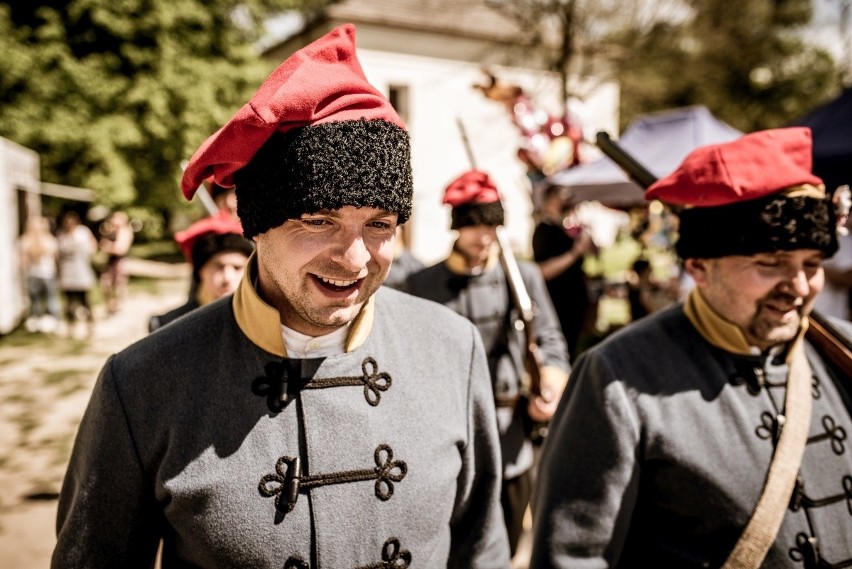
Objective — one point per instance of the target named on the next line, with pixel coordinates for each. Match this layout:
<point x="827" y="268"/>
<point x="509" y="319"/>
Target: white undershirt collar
<point x="300" y="346"/>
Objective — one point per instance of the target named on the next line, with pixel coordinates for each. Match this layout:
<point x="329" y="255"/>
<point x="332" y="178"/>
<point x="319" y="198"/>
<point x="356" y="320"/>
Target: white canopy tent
<point x="658" y="141"/>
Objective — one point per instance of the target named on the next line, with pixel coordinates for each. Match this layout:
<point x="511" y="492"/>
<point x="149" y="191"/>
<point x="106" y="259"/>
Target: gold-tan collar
<point x="720" y="332"/>
<point x="457" y="263"/>
<point x="261" y="323"/>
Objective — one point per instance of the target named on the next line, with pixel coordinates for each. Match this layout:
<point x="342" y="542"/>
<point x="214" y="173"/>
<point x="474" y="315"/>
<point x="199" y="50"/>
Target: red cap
<point x="219" y="223"/>
<point x="472" y="187"/>
<point x="755" y="165"/>
<point x="321" y="83"/>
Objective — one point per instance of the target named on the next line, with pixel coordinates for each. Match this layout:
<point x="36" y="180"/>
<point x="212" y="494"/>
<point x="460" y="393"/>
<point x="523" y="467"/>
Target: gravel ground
<point x="45" y="382"/>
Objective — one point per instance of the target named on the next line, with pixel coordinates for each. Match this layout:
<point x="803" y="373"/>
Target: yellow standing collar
<point x="720" y="332"/>
<point x="261" y="323"/>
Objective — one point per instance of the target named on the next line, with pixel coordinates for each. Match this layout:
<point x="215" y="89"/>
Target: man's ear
<point x="697" y="269"/>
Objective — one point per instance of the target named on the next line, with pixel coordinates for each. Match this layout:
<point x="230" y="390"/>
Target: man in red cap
<point x="218" y="253"/>
<point x="473" y="283"/>
<point x="713" y="433"/>
<point x="315" y="418"/>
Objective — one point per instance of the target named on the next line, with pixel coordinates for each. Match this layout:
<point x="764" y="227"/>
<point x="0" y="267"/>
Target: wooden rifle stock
<point x="521" y="299"/>
<point x="828" y="341"/>
<point x="835" y="347"/>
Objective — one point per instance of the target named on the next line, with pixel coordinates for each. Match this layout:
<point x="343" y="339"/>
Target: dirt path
<point x="45" y="382"/>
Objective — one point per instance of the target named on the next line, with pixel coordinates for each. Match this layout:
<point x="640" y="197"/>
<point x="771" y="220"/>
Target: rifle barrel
<point x="637" y="172"/>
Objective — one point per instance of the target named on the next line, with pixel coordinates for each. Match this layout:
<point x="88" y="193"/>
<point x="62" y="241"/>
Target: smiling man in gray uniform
<point x="659" y="453"/>
<point x="313" y="420"/>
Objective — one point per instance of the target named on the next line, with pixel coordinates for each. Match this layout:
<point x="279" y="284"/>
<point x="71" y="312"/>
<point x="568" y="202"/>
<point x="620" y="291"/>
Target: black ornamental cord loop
<point x="770" y="426"/>
<point x="283" y="379"/>
<point x="801" y="500"/>
<point x="393" y="557"/>
<point x="288" y="480"/>
<point x="295" y="562"/>
<point x="374" y="381"/>
<point x="833" y="432"/>
<point x="807" y="552"/>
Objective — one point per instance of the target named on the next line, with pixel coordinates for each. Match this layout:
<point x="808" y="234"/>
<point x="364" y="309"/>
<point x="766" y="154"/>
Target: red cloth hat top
<point x="219" y="223"/>
<point x="755" y="165"/>
<point x="321" y="83"/>
<point x="472" y="187"/>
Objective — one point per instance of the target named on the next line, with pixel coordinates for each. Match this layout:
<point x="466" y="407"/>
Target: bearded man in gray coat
<point x="714" y="433"/>
<point x="313" y="419"/>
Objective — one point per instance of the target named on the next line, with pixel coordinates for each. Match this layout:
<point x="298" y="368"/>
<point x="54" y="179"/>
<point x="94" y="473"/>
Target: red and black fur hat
<point x="474" y="199"/>
<point x="756" y="194"/>
<point x="315" y="136"/>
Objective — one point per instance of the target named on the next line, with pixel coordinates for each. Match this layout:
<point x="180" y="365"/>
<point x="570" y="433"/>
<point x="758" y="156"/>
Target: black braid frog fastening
<point x="283" y="378"/>
<point x="287" y="481"/>
<point x="393" y="557"/>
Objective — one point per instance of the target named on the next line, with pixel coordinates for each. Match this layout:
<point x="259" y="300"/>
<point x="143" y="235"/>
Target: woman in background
<point x="39" y="252"/>
<point x="77" y="244"/>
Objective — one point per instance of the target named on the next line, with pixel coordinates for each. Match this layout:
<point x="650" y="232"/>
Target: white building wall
<point x="19" y="170"/>
<point x="440" y="92"/>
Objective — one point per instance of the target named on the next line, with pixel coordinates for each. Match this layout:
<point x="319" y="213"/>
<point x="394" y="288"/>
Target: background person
<point x="77" y="245"/>
<point x="472" y="282"/>
<point x="836" y="297"/>
<point x="116" y="237"/>
<point x="661" y="445"/>
<point x="314" y="418"/>
<point x="39" y="253"/>
<point x="646" y="294"/>
<point x="559" y="246"/>
<point x="218" y="252"/>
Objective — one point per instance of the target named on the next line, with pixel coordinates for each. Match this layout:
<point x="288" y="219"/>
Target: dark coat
<point x="660" y="447"/>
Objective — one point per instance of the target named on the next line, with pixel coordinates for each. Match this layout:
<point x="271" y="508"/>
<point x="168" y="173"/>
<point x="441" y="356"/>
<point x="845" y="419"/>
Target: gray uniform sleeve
<point x="107" y="514"/>
<point x="479" y="537"/>
<point x="589" y="472"/>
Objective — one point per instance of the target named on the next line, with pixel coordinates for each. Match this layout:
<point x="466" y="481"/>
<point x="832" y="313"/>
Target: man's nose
<point x="797" y="283"/>
<point x="352" y="252"/>
<point x="231" y="275"/>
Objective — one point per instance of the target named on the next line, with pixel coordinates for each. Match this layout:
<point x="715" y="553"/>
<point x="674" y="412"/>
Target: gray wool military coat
<point x="385" y="456"/>
<point x="659" y="450"/>
<point x="486" y="301"/>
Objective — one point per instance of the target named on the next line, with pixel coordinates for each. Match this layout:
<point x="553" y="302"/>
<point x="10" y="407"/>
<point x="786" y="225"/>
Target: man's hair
<point x="212" y="244"/>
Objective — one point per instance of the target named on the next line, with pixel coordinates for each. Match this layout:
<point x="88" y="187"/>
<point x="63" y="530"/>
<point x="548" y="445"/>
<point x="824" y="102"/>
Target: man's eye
<point x="314" y="222"/>
<point x="380" y="224"/>
<point x="768" y="263"/>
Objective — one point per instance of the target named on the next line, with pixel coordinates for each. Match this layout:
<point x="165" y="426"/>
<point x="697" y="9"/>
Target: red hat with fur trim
<point x="316" y="135"/>
<point x="474" y="199"/>
<point x="756" y="194"/>
<point x="211" y="235"/>
<point x="218" y="224"/>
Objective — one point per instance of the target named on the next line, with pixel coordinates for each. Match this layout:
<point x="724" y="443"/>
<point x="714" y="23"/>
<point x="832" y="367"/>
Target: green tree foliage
<point x="746" y="61"/>
<point x="115" y="94"/>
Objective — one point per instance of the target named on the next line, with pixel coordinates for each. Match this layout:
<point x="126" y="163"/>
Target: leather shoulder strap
<point x="766" y="519"/>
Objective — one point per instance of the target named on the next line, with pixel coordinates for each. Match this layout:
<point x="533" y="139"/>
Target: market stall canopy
<point x="658" y="141"/>
<point x="831" y="125"/>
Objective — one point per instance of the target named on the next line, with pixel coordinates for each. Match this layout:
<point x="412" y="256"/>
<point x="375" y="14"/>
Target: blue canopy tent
<point x="831" y="125"/>
<point x="658" y="141"/>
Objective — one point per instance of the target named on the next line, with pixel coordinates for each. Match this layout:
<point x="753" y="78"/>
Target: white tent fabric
<point x="658" y="141"/>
